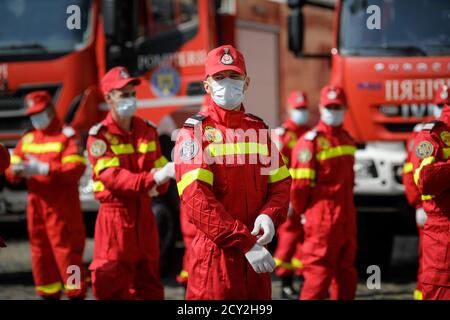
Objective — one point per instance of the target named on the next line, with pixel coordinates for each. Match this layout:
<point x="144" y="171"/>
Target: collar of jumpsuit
<point x="115" y="129"/>
<point x="53" y="127"/>
<point x="229" y="118"/>
<point x="322" y="126"/>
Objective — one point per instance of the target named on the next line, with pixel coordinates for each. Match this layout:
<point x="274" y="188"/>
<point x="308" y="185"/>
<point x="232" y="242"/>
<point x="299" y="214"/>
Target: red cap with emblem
<point x="117" y="78"/>
<point x="37" y="101"/>
<point x="224" y="58"/>
<point x="332" y="95"/>
<point x="442" y="95"/>
<point x="297" y="99"/>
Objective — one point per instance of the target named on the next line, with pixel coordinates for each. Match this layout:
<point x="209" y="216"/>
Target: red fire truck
<point x="390" y="56"/>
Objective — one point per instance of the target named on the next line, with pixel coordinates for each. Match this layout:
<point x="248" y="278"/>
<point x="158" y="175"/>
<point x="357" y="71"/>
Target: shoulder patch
<point x="252" y="116"/>
<point x="95" y="129"/>
<point x="150" y="123"/>
<point x="418" y="127"/>
<point x="194" y="120"/>
<point x="98" y="148"/>
<point x="68" y="132"/>
<point x="430" y="125"/>
<point x="424" y="149"/>
<point x="304" y="155"/>
<point x="311" y="135"/>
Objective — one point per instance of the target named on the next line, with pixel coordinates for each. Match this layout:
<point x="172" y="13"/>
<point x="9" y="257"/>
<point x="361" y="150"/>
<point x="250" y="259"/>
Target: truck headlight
<point x="365" y="169"/>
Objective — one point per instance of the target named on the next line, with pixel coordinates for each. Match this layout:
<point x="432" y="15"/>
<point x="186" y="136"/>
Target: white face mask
<point x="40" y="120"/>
<point x="126" y="107"/>
<point x="227" y="93"/>
<point x="437" y="111"/>
<point x="332" y="118"/>
<point x="299" y="116"/>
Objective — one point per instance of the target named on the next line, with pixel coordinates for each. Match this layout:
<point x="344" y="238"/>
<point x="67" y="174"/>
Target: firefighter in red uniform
<point x="49" y="158"/>
<point x="4" y="164"/>
<point x="124" y="151"/>
<point x="288" y="252"/>
<point x="431" y="167"/>
<point x="233" y="186"/>
<point x="322" y="189"/>
<point x="412" y="193"/>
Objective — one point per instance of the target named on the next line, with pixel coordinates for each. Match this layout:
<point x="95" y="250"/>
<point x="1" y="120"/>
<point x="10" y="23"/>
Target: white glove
<point x="260" y="259"/>
<point x="264" y="222"/>
<point x="162" y="175"/>
<point x="35" y="167"/>
<point x="421" y="217"/>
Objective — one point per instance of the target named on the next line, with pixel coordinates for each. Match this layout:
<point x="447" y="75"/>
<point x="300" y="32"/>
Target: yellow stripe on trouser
<point x="183" y="274"/>
<point x="122" y="149"/>
<point x="407" y="167"/>
<point x="98" y="186"/>
<point x="336" y="152"/>
<point x="216" y="149"/>
<point x="278" y="174"/>
<point x="418" y="295"/>
<point x="15" y="159"/>
<point x="303" y="173"/>
<point x="197" y="174"/>
<point x="50" y="288"/>
<point x="105" y="163"/>
<point x="282" y="264"/>
<point x="73" y="158"/>
<point x="42" y="147"/>
<point x="147" y="147"/>
<point x="161" y="162"/>
<point x="297" y="263"/>
<point x="426" y="197"/>
<point x="425" y="162"/>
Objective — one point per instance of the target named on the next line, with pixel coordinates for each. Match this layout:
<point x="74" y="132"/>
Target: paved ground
<point x="16" y="280"/>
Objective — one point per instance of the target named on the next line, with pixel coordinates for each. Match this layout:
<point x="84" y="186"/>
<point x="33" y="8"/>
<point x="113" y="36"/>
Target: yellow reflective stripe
<point x="291" y="143"/>
<point x="446" y="153"/>
<point x="336" y="152"/>
<point x="196" y="174"/>
<point x="73" y="158"/>
<point x="407" y="167"/>
<point x="426" y="197"/>
<point x="282" y="264"/>
<point x="221" y="149"/>
<point x="71" y="287"/>
<point x="122" y="148"/>
<point x="15" y="159"/>
<point x="161" y="162"/>
<point x="278" y="174"/>
<point x="297" y="263"/>
<point x="147" y="147"/>
<point x="183" y="274"/>
<point x="42" y="147"/>
<point x="50" y="288"/>
<point x="98" y="186"/>
<point x="425" y="162"/>
<point x="303" y="173"/>
<point x="418" y="295"/>
<point x="104" y="163"/>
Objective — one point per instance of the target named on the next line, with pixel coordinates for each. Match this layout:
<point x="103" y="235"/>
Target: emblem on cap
<point x="331" y="94"/>
<point x="227" y="58"/>
<point x="29" y="103"/>
<point x="300" y="99"/>
<point x="124" y="74"/>
<point x="444" y="93"/>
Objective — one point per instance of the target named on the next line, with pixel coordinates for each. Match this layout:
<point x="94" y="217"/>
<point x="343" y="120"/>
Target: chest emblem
<point x="445" y="137"/>
<point x="323" y="143"/>
<point x="212" y="134"/>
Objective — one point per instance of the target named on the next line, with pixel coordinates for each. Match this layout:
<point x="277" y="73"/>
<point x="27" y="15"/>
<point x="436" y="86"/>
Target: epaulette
<point x="418" y="127"/>
<point x="251" y="115"/>
<point x="430" y="125"/>
<point x="95" y="129"/>
<point x="150" y="124"/>
<point x="194" y="120"/>
<point x="311" y="135"/>
<point x="68" y="132"/>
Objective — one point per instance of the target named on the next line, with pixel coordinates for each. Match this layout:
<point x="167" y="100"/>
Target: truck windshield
<point x="406" y="28"/>
<point x="30" y="27"/>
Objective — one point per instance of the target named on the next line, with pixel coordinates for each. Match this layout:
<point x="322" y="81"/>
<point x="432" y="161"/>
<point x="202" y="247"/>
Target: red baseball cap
<point x="224" y="58"/>
<point x="4" y="158"/>
<point x="297" y="99"/>
<point x="37" y="101"/>
<point x="332" y="95"/>
<point x="117" y="78"/>
<point x="442" y="95"/>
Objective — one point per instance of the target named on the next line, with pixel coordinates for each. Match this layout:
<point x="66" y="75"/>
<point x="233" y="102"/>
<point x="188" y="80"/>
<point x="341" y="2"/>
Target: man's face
<point x="225" y="74"/>
<point x="113" y="97"/>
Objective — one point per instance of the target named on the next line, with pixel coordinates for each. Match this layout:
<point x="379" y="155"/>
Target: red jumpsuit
<point x="188" y="231"/>
<point x="414" y="200"/>
<point x="431" y="167"/>
<point x="55" y="221"/>
<point x="288" y="252"/>
<point x="322" y="188"/>
<point x="126" y="243"/>
<point x="224" y="184"/>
